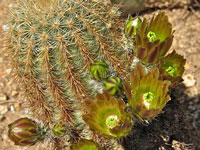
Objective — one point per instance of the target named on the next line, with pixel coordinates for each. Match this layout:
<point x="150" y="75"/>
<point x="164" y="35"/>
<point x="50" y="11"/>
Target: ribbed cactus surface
<point x="53" y="43"/>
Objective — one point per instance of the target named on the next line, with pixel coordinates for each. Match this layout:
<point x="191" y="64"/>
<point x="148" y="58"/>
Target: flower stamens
<point x="171" y="70"/>
<point x="148" y="98"/>
<point x="151" y="36"/>
<point x="112" y="121"/>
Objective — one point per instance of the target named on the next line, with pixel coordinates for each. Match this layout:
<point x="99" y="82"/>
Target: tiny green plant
<point x="71" y="60"/>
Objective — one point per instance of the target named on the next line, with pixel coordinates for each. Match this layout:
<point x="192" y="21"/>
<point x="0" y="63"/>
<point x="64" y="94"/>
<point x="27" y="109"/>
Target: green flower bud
<point x="107" y="115"/>
<point x="113" y="86"/>
<point x="24" y="132"/>
<point x="132" y="25"/>
<point x="84" y="144"/>
<point x="59" y="129"/>
<point x="98" y="70"/>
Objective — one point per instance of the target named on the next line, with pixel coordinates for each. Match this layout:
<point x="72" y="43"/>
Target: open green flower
<point x="153" y="40"/>
<point x="24" y="131"/>
<point x="147" y="95"/>
<point x="107" y="116"/>
<point x="171" y="68"/>
<point x="84" y="144"/>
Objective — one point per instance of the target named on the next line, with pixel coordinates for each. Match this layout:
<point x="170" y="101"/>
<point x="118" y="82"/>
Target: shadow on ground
<point x="175" y="129"/>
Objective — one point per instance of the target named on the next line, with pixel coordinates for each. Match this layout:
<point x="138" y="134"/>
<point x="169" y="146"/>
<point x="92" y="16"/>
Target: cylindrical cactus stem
<point x="52" y="47"/>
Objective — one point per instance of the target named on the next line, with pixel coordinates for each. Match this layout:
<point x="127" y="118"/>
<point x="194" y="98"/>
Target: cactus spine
<point x="52" y="45"/>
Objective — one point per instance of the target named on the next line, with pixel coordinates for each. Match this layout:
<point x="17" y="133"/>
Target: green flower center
<point x="171" y="70"/>
<point x="151" y="36"/>
<point x="112" y="121"/>
<point x="148" y="98"/>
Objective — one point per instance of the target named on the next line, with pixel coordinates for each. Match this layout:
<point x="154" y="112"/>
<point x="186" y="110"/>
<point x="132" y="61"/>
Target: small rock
<point x="189" y="80"/>
<point x="192" y="108"/>
<point x="180" y="146"/>
<point x="165" y="138"/>
<point x="192" y="91"/>
<point x="11" y="5"/>
<point x="2" y="118"/>
<point x="5" y="27"/>
<point x="187" y="66"/>
<point x="3" y="109"/>
<point x="14" y="93"/>
<point x="8" y="71"/>
<point x="12" y="108"/>
<point x="3" y="97"/>
<point x="176" y="145"/>
<point x="196" y="100"/>
<point x="17" y="106"/>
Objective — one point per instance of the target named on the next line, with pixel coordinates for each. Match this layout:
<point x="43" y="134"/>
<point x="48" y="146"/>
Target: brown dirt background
<point x="177" y="128"/>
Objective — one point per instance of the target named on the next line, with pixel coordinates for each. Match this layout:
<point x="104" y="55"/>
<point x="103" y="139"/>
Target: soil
<point x="177" y="128"/>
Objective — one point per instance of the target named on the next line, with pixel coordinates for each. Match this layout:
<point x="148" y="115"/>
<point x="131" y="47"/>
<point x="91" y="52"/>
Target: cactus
<point x="65" y="53"/>
<point x="53" y="44"/>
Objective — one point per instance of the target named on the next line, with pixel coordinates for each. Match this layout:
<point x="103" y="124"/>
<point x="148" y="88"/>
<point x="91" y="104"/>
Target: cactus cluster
<point x="76" y="72"/>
